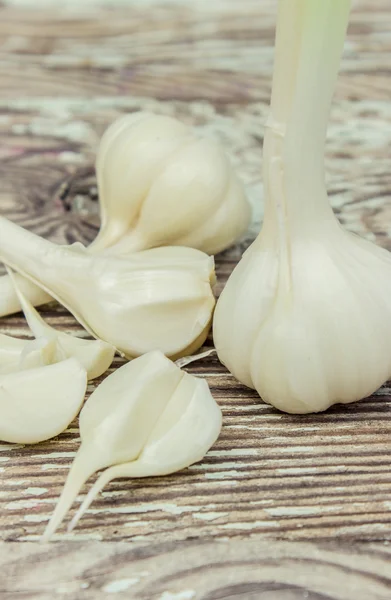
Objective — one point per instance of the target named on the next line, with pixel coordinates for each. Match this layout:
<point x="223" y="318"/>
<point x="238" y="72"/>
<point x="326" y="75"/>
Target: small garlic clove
<point x="186" y="430"/>
<point x="38" y="404"/>
<point x="130" y="156"/>
<point x="217" y="232"/>
<point x="94" y="356"/>
<point x="156" y="299"/>
<point x="130" y="414"/>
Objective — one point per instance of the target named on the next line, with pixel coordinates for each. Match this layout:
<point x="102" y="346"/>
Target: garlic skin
<point x="305" y="318"/>
<point x="161" y="185"/>
<point x="94" y="356"/>
<point x="157" y="299"/>
<point x="148" y="418"/>
<point x="38" y="404"/>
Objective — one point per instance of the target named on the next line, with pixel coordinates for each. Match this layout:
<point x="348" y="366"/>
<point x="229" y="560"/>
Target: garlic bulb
<point x="305" y="318"/>
<point x="156" y="299"/>
<point x="147" y="418"/>
<point x="159" y="185"/>
<point x="38" y="404"/>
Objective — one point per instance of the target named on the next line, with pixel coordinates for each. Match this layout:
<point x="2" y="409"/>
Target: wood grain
<point x="282" y="505"/>
<point x="195" y="570"/>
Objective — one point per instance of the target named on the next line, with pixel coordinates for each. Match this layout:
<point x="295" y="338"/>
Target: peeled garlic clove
<point x="305" y="318"/>
<point x="38" y="404"/>
<point x="161" y="185"/>
<point x="94" y="356"/>
<point x="156" y="299"/>
<point x="186" y="430"/>
<point x="137" y="411"/>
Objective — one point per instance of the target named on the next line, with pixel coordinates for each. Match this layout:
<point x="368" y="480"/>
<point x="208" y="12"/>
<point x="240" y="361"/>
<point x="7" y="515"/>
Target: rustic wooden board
<point x="66" y="71"/>
<point x="198" y="569"/>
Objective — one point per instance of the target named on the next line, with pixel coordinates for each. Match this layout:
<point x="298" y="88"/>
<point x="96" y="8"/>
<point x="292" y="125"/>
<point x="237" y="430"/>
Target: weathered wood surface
<point x="66" y="70"/>
<point x="198" y="569"/>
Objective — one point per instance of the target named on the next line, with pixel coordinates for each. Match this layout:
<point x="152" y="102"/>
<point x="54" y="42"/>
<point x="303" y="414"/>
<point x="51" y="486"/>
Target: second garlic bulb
<point x="159" y="184"/>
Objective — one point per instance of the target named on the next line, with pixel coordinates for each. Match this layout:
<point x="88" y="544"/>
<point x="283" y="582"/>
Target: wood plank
<point x="195" y="570"/>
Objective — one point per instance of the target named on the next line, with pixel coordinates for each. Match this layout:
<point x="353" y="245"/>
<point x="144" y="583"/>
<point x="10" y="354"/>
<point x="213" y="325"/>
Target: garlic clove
<point x="186" y="430"/>
<point x="131" y="413"/>
<point x="94" y="356"/>
<point x="38" y="404"/>
<point x="130" y="156"/>
<point x="156" y="299"/>
<point x="209" y="233"/>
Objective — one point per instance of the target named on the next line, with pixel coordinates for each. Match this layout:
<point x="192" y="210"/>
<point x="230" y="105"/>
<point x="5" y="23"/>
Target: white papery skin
<point x="159" y="185"/>
<point x="159" y="299"/>
<point x="305" y="318"/>
<point x="147" y="418"/>
<point x="39" y="403"/>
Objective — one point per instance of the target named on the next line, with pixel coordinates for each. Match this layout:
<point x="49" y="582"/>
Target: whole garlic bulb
<point x="305" y="318"/>
<point x="159" y="184"/>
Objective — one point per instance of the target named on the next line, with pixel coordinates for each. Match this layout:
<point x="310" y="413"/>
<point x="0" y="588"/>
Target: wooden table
<point x="283" y="507"/>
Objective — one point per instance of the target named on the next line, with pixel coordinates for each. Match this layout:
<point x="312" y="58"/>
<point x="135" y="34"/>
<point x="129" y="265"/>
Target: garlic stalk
<point x="147" y="418"/>
<point x="159" y="185"/>
<point x="305" y="318"/>
<point x="156" y="299"/>
<point x="94" y="356"/>
<point x="39" y="403"/>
